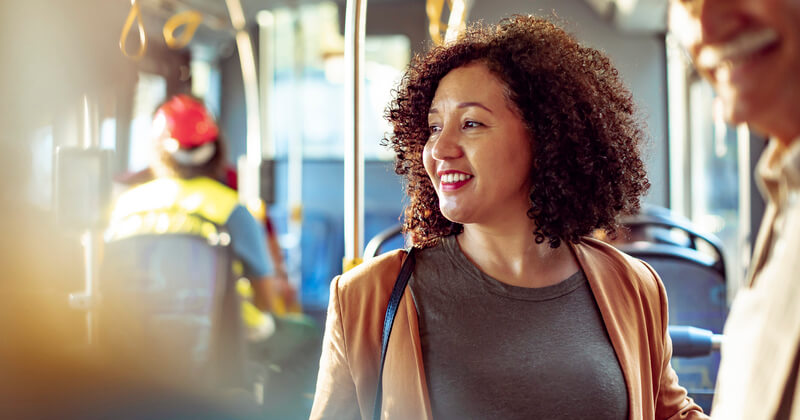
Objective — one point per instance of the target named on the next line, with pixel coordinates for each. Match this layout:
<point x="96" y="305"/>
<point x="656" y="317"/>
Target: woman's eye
<point x="434" y="129"/>
<point x="472" y="124"/>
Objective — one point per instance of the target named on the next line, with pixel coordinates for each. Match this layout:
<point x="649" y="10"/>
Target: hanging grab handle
<point x="134" y="14"/>
<point x="191" y="19"/>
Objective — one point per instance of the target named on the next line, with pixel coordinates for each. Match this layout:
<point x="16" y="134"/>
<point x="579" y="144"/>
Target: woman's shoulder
<point x="374" y="276"/>
<point x="605" y="258"/>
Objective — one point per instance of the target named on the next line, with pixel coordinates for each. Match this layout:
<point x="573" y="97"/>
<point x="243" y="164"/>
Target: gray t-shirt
<point x="496" y="351"/>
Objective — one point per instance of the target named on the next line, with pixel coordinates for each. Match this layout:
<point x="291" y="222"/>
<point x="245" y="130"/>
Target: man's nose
<point x="718" y="18"/>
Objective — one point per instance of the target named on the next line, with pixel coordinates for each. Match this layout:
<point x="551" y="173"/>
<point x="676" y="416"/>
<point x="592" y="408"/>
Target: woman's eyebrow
<point x="463" y="105"/>
<point x="477" y="104"/>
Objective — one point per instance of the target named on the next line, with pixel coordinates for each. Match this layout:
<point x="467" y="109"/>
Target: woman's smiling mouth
<point x="453" y="180"/>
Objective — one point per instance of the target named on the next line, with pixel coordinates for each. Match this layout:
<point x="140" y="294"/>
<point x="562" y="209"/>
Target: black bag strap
<point x="388" y="320"/>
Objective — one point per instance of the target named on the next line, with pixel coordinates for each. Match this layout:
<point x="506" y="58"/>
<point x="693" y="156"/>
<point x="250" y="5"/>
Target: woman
<point x="516" y="143"/>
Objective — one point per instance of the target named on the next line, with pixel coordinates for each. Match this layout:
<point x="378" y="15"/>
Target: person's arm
<point x="274" y="247"/>
<point x="335" y="396"/>
<point x="263" y="293"/>
<point x="280" y="281"/>
<point x="249" y="245"/>
<point x="672" y="401"/>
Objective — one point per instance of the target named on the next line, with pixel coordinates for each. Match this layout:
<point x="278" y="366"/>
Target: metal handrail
<point x="355" y="28"/>
<point x="374" y="244"/>
<point x="693" y="342"/>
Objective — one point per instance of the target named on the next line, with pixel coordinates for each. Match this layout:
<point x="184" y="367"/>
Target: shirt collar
<point x="779" y="163"/>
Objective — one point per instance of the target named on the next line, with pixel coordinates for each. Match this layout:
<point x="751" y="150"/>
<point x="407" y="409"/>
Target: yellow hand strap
<point x="134" y="14"/>
<point x="456" y="22"/>
<point x="434" y="10"/>
<point x="191" y="19"/>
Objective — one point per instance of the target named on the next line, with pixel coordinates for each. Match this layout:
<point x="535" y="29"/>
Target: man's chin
<point x="756" y="116"/>
<point x="738" y="108"/>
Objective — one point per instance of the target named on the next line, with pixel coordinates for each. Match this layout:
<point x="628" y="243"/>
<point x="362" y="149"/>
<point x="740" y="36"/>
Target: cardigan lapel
<point x="617" y="312"/>
<point x="405" y="395"/>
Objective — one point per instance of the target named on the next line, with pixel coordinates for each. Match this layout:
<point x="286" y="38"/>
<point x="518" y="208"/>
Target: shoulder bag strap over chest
<point x="388" y="320"/>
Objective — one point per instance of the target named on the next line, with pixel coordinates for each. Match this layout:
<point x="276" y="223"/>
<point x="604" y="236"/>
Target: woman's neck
<point x="511" y="255"/>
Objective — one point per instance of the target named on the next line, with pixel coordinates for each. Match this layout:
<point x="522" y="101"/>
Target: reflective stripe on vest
<point x="174" y="196"/>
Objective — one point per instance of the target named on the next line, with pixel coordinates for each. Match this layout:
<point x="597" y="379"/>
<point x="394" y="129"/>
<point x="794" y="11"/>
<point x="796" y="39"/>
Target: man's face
<point x="750" y="51"/>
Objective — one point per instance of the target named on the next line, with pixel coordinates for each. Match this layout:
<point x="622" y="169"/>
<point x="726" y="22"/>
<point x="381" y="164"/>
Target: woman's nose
<point x="447" y="145"/>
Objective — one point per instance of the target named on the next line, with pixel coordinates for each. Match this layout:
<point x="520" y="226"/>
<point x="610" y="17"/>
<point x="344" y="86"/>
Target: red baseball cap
<point x="186" y="120"/>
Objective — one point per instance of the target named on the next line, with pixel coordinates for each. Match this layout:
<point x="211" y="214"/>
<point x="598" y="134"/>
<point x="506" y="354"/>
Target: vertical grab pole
<point x="355" y="26"/>
<point x="250" y="185"/>
<point x="91" y="238"/>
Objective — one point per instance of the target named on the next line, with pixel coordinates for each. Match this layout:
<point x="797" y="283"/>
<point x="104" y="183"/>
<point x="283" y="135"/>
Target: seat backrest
<point x="174" y="294"/>
<point x="695" y="289"/>
<point x="659" y="225"/>
<point x="389" y="238"/>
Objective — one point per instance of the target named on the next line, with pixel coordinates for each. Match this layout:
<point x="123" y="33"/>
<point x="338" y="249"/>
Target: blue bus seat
<point x="174" y="295"/>
<point x="693" y="273"/>
<point x="387" y="239"/>
<point x="658" y="225"/>
<point x="322" y="248"/>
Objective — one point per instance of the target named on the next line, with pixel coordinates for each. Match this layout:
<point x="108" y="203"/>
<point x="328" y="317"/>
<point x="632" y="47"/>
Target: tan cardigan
<point x="629" y="294"/>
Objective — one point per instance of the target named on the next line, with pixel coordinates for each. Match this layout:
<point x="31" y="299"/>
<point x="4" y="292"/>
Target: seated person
<point x="188" y="158"/>
<point x="185" y="177"/>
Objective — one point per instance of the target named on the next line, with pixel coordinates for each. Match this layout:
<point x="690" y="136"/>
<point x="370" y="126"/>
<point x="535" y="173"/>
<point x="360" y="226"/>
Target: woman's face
<point x="478" y="155"/>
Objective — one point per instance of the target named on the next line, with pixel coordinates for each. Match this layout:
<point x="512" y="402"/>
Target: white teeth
<point x="713" y="55"/>
<point x="454" y="177"/>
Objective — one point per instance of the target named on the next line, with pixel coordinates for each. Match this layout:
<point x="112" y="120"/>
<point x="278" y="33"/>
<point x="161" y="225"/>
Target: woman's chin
<point x="454" y="214"/>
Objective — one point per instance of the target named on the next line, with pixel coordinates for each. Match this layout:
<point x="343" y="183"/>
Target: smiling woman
<point x="572" y="105"/>
<point x="478" y="154"/>
<point x="514" y="140"/>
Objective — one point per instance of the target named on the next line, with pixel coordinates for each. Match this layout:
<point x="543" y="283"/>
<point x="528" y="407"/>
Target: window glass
<point x="151" y="91"/>
<point x="705" y="174"/>
<point x="40" y="181"/>
<point x="715" y="171"/>
<point x="108" y="134"/>
<point x="309" y="83"/>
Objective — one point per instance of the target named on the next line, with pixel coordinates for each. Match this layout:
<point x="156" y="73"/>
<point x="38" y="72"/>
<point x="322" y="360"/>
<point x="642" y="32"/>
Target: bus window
<point x="308" y="76"/>
<point x="151" y="90"/>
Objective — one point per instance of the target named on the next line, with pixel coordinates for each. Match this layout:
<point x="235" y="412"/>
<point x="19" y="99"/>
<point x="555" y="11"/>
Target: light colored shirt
<point x="762" y="333"/>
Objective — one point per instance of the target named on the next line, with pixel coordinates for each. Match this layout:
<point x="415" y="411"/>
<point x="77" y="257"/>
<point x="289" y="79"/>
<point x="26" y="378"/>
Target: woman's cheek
<point x="430" y="165"/>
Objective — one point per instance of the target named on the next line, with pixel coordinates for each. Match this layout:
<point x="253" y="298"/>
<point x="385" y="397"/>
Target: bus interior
<point x="299" y="88"/>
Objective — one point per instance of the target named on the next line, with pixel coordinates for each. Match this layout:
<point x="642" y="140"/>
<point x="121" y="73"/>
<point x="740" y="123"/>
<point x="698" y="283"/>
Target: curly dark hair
<point x="580" y="118"/>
